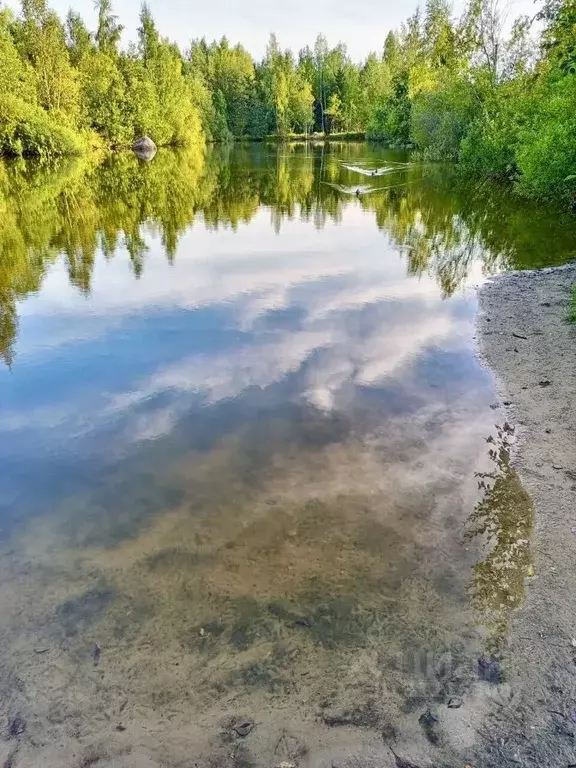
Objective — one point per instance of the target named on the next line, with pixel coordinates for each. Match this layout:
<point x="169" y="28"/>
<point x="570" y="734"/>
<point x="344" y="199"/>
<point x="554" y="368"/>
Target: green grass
<point x="572" y="310"/>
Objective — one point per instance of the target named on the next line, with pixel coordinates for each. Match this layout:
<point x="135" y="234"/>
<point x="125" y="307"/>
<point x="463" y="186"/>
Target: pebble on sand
<point x="243" y="727"/>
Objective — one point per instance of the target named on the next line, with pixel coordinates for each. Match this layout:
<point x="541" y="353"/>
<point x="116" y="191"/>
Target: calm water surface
<point x="251" y="464"/>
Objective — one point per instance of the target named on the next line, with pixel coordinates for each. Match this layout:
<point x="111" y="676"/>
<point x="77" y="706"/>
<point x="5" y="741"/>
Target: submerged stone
<point x="82" y="611"/>
<point x="429" y="723"/>
<point x="490" y="670"/>
<point x="16" y="725"/>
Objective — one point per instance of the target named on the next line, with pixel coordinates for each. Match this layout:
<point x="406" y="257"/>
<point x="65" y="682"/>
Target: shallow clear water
<point x="243" y="433"/>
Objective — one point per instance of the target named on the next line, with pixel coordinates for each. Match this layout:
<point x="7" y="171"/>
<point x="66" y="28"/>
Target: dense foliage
<point x="502" y="103"/>
<point x="63" y="88"/>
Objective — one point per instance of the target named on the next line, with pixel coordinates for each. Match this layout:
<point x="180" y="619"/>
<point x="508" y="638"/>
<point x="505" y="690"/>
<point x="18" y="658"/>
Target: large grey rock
<point x="144" y="148"/>
<point x="144" y="143"/>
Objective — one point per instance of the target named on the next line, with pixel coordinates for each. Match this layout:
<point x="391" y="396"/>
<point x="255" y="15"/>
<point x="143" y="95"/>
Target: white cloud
<point x="220" y="376"/>
<point x="252" y="270"/>
<point x="335" y="360"/>
<point x="359" y="319"/>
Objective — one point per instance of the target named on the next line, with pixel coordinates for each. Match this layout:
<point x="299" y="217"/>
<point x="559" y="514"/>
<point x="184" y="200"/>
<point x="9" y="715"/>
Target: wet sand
<point x="531" y="347"/>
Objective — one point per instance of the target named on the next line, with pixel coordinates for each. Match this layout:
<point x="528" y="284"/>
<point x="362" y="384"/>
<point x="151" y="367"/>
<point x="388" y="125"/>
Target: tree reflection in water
<point x="504" y="517"/>
<point x="100" y="204"/>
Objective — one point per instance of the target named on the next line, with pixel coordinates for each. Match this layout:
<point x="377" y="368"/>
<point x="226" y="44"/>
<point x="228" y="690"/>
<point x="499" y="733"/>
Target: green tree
<point x="42" y="40"/>
<point x="109" y="31"/>
<point x="559" y="37"/>
<point x="171" y="116"/>
<point x="334" y="112"/>
<point x="80" y="42"/>
<point x="17" y="77"/>
<point x="301" y="103"/>
<point x="320" y="85"/>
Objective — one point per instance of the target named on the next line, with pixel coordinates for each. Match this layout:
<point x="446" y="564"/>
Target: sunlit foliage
<point x="499" y="99"/>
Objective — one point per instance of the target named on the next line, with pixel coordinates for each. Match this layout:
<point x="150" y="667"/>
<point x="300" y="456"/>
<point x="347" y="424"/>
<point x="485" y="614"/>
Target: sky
<point x="362" y="24"/>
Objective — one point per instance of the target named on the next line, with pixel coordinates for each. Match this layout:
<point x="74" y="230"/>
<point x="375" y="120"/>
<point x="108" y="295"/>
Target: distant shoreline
<point x="300" y="138"/>
<point x="305" y="137"/>
<point x="311" y="138"/>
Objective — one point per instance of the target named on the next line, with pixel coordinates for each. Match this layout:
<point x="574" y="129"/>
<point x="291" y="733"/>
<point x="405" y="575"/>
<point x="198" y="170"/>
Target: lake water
<point x="252" y="466"/>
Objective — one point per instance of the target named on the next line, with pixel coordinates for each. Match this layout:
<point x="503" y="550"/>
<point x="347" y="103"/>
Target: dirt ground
<point x="527" y="341"/>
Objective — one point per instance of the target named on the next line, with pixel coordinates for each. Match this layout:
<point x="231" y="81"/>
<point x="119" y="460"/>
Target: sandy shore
<point x="527" y="342"/>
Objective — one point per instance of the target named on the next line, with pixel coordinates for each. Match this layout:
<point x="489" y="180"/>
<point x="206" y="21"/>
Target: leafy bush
<point x="547" y="150"/>
<point x="486" y="152"/>
<point x="27" y="129"/>
<point x="441" y="119"/>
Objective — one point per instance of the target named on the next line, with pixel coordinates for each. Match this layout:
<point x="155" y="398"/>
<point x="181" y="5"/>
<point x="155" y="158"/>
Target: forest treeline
<point x="501" y="101"/>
